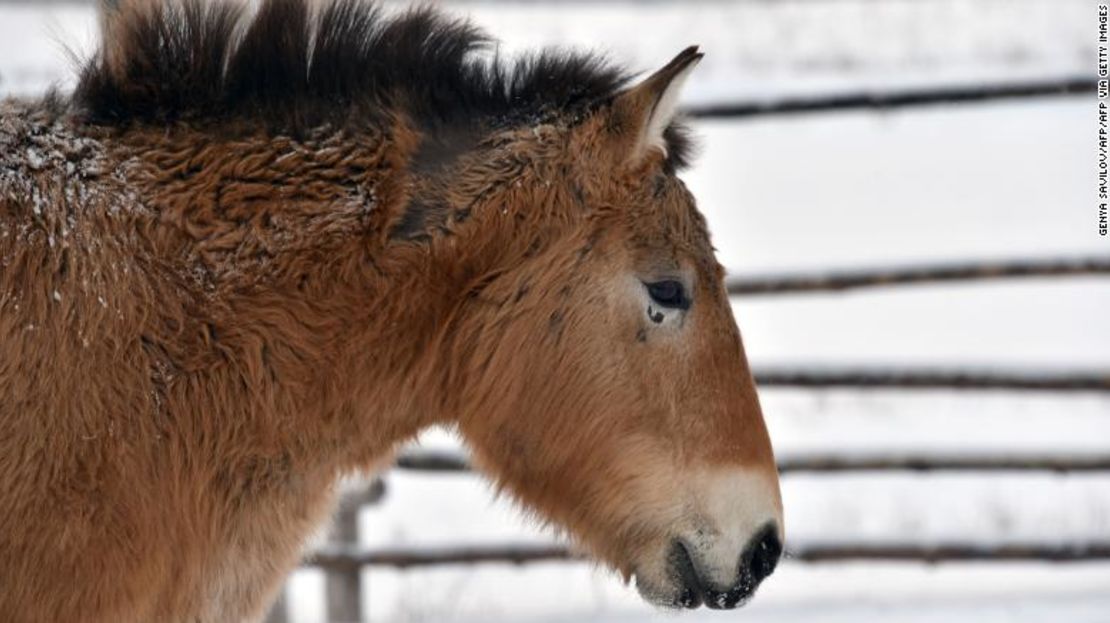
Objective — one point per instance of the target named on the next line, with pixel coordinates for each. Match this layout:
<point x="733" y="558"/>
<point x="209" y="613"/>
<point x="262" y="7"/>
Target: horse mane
<point x="296" y="64"/>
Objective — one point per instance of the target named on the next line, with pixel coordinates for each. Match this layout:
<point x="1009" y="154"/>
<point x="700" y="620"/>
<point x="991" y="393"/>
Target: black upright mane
<point x="172" y="60"/>
<point x="291" y="67"/>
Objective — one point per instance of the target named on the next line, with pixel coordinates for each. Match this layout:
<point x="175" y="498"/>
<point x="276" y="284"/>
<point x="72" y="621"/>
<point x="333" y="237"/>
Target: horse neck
<point x="456" y="230"/>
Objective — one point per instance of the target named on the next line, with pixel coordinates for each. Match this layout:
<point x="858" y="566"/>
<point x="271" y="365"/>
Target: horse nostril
<point x="682" y="565"/>
<point x="765" y="555"/>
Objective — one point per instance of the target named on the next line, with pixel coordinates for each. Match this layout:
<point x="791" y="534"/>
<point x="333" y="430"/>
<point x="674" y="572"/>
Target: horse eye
<point x="668" y="294"/>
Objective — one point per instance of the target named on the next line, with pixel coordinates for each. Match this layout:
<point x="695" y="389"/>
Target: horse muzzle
<point x="756" y="563"/>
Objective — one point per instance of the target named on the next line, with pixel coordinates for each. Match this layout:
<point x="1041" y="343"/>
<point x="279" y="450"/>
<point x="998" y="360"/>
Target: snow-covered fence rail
<point x="1097" y="381"/>
<point x="840" y="281"/>
<point x="331" y="557"/>
<point x="889" y="100"/>
<point x="442" y="461"/>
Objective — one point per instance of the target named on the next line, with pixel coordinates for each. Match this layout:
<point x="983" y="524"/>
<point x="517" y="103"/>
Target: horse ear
<point x="643" y="112"/>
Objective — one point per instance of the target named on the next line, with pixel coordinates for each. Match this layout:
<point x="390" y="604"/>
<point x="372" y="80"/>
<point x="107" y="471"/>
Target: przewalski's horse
<point x="256" y="251"/>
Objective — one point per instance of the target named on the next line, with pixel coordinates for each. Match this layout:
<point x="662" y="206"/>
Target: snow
<point x="760" y="49"/>
<point x="847" y="593"/>
<point x="35" y="42"/>
<point x="985" y="181"/>
<point x="822" y="192"/>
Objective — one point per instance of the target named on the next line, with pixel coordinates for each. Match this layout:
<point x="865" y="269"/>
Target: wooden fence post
<point x="343" y="586"/>
<point x="279" y="612"/>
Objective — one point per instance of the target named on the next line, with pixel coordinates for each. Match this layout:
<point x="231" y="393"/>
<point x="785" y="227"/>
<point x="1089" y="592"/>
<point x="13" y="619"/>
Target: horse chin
<point x="657" y="596"/>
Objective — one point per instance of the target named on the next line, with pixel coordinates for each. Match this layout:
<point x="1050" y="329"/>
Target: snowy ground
<point x="828" y="191"/>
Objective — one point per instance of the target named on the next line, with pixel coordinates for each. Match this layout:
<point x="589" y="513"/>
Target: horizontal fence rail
<point x="889" y="100"/>
<point x="839" y="281"/>
<point x="932" y="462"/>
<point x="447" y="461"/>
<point x="1097" y="381"/>
<point x="1090" y="551"/>
<point x="350" y="558"/>
<point x="403" y="558"/>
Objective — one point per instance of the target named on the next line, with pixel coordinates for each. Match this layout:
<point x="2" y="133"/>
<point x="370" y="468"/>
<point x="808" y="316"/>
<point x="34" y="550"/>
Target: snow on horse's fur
<point x="254" y="252"/>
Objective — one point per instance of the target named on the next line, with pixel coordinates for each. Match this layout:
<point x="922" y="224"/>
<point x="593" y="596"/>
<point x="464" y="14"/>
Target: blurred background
<point x="945" y="443"/>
